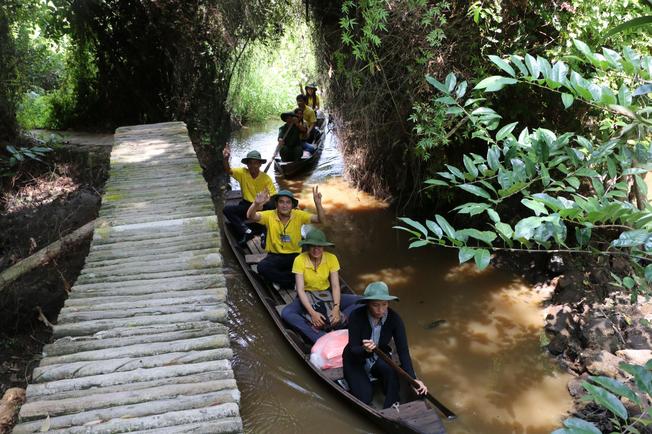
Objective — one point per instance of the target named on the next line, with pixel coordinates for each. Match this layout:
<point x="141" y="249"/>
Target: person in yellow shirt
<point x="252" y="181"/>
<point x="320" y="306"/>
<point x="312" y="99"/>
<point x="283" y="226"/>
<point x="309" y="117"/>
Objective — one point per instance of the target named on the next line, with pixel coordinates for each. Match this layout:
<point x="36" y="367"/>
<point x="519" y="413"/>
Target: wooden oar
<point x="278" y="147"/>
<point x="446" y="412"/>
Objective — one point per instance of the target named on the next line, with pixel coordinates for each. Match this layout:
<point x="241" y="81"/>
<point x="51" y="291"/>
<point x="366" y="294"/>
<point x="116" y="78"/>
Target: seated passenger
<point x="308" y="148"/>
<point x="312" y="99"/>
<point x="319" y="306"/>
<point x="283" y="233"/>
<point x="252" y="181"/>
<point x="370" y="327"/>
<point x="309" y="117"/>
<point x="288" y="138"/>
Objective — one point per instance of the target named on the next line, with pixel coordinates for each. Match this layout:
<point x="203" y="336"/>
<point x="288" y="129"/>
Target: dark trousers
<point x="293" y="314"/>
<point x="237" y="215"/>
<point x="360" y="384"/>
<point x="277" y="268"/>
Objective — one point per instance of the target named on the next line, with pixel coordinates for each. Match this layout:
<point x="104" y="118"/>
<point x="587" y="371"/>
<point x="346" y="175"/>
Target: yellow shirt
<point x="309" y="102"/>
<point x="251" y="187"/>
<point x="309" y="116"/>
<point x="316" y="279"/>
<point x="276" y="230"/>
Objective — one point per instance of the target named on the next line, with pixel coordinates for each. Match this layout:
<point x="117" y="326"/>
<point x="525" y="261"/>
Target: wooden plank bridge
<point x="142" y="344"/>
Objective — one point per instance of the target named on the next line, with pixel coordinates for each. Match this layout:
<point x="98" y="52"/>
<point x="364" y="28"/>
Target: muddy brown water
<point x="474" y="336"/>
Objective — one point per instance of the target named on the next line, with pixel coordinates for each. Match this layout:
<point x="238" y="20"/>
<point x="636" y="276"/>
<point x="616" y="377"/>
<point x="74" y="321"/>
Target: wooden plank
<point x="218" y="314"/>
<point x="142" y="349"/>
<point x="74" y="423"/>
<point x="36" y="409"/>
<point x="88" y="368"/>
<point x="255" y="258"/>
<point x="55" y="387"/>
<point x="254" y="245"/>
<point x="134" y="385"/>
<point x="69" y="346"/>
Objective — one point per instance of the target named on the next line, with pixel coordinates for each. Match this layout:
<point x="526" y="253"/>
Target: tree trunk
<point x="44" y="255"/>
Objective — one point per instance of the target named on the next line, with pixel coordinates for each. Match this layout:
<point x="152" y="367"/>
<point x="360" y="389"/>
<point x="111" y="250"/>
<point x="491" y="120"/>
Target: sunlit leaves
<point x="503" y="65"/>
<point x="564" y="182"/>
<point x="494" y="83"/>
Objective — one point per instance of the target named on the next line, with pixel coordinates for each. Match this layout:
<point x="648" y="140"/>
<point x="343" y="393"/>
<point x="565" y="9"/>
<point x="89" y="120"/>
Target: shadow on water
<point x="474" y="336"/>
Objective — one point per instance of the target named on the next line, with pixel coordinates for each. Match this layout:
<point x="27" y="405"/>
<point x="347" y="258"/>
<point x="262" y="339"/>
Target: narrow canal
<point x="484" y="360"/>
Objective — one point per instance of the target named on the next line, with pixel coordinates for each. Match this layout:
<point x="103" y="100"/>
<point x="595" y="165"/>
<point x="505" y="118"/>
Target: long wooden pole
<point x="446" y="412"/>
<point x="278" y="147"/>
<point x="44" y="255"/>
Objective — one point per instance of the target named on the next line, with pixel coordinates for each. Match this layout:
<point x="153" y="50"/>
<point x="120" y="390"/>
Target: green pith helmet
<point x="377" y="291"/>
<point x="253" y="155"/>
<point x="286" y="193"/>
<point x="315" y="238"/>
<point x="312" y="85"/>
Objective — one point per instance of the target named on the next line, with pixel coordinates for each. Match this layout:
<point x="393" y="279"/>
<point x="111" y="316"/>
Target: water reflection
<point x="474" y="335"/>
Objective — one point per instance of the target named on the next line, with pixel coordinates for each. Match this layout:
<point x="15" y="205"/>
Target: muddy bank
<point x="42" y="203"/>
<point x="592" y="323"/>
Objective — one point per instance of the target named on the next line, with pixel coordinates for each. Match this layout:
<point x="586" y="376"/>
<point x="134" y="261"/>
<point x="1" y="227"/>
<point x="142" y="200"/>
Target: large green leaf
<point x="502" y="65"/>
<point x="616" y="387"/>
<point x="505" y="131"/>
<point x="470" y="166"/>
<point x="567" y="99"/>
<point x="495" y="83"/>
<point x="474" y="189"/>
<point x="465" y="253"/>
<point x="455" y="171"/>
<point x="446" y="227"/>
<point x="633" y="23"/>
<point x="471" y="208"/>
<point x="631" y="238"/>
<point x="434" y="228"/>
<point x="482" y="258"/>
<point x="518" y="61"/>
<point x="535" y="206"/>
<point x="418" y="243"/>
<point x="648" y="273"/>
<point x="606" y="399"/>
<point x="484" y="236"/>
<point x="574" y="425"/>
<point x="642" y="377"/>
<point x="436" y="84"/>
<point x="493" y="157"/>
<point x="524" y="229"/>
<point x="451" y="81"/>
<point x="533" y="66"/>
<point x="504" y="230"/>
<point x="415" y="224"/>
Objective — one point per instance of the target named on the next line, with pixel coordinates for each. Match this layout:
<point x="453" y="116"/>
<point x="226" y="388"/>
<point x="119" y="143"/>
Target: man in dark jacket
<point x="370" y="327"/>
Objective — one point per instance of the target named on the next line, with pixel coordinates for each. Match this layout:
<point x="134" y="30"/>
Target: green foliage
<point x="19" y="155"/>
<point x="591" y="20"/>
<point x="266" y="80"/>
<point x="560" y="191"/>
<point x="606" y="393"/>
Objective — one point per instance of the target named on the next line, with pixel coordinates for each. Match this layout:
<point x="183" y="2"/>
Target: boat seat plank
<point x="233" y="195"/>
<point x="254" y="246"/>
<point x="255" y="258"/>
<point x="417" y="415"/>
<point x="287" y="295"/>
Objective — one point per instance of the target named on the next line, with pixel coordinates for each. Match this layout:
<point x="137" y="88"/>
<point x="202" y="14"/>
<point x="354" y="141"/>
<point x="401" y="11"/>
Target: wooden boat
<point x="293" y="168"/>
<point x="413" y="415"/>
